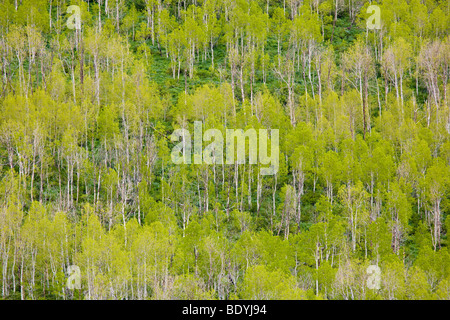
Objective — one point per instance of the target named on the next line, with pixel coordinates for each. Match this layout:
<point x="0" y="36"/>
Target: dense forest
<point x="86" y="176"/>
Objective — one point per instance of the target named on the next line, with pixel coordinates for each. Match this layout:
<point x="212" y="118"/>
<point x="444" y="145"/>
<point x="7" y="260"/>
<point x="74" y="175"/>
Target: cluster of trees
<point x="86" y="176"/>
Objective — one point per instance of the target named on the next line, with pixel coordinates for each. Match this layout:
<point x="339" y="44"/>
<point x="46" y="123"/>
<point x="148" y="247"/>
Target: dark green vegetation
<point x="86" y="177"/>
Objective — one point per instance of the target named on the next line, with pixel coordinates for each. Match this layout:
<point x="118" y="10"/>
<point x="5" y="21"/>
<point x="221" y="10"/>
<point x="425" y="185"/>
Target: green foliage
<point x="86" y="176"/>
